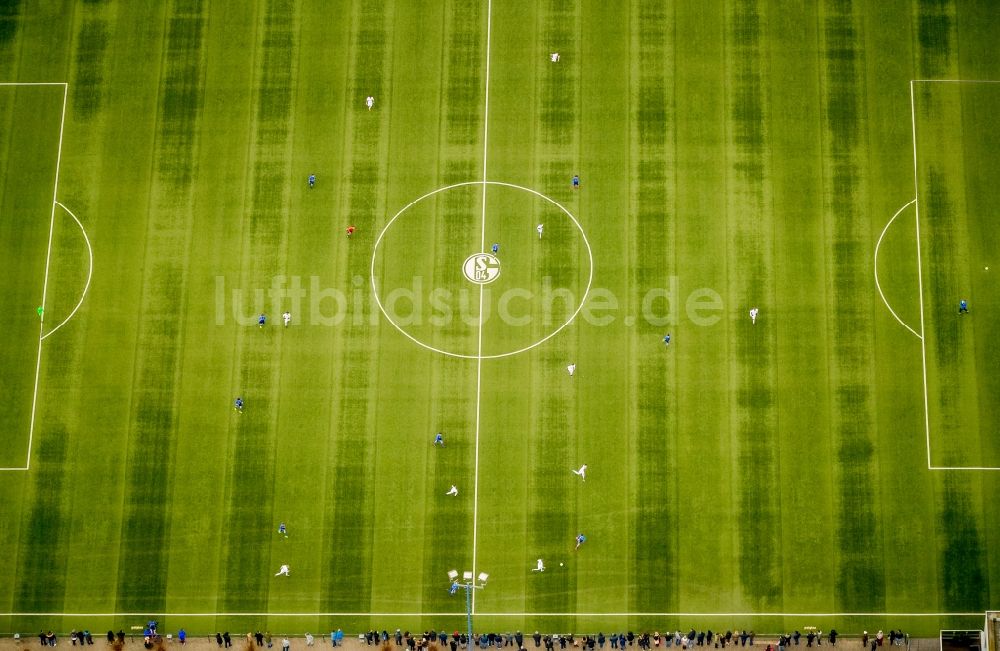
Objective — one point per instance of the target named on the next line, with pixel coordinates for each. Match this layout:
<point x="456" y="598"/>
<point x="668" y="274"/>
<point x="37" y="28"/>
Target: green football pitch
<point x="834" y="462"/>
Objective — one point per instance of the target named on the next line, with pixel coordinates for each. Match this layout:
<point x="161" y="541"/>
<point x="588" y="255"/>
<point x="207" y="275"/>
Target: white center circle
<point x="481" y="268"/>
<point x="481" y="258"/>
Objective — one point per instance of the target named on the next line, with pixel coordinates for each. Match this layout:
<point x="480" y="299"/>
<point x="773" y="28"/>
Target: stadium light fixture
<point x="468" y="585"/>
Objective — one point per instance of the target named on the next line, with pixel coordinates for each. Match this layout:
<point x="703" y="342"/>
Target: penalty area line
<point x="920" y="276"/>
<point x="45" y="281"/>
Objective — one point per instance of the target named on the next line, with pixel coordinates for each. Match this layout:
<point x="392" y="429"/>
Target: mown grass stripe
<point x="964" y="578"/>
<point x="753" y="414"/>
<point x="349" y="508"/>
<point x="10" y="23"/>
<point x="860" y="581"/>
<point x="451" y="408"/>
<point x="653" y="379"/>
<point x="936" y="34"/>
<point x="41" y="577"/>
<point x="90" y="61"/>
<point x="144" y="537"/>
<point x="552" y="518"/>
<point x="249" y="518"/>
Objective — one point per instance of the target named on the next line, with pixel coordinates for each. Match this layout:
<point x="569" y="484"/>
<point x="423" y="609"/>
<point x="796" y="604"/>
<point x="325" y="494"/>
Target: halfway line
<point x="479" y="349"/>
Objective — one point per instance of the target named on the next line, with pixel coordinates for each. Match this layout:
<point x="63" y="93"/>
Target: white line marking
<point x="920" y="277"/>
<point x="385" y="229"/>
<point x="479" y="349"/>
<point x="90" y="272"/>
<point x="33" y="83"/>
<point x="486" y="116"/>
<point x="964" y="468"/>
<point x="462" y="613"/>
<point x="955" y="81"/>
<point x="45" y="282"/>
<point x="877" y="284"/>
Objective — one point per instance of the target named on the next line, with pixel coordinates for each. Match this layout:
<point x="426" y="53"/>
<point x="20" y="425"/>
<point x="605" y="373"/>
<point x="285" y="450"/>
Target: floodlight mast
<point x="468" y="584"/>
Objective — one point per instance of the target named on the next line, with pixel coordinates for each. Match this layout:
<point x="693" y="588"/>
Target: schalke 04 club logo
<point x="481" y="268"/>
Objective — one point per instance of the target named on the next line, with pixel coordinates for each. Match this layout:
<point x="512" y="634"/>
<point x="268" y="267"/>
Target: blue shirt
<point x="261" y="319"/>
